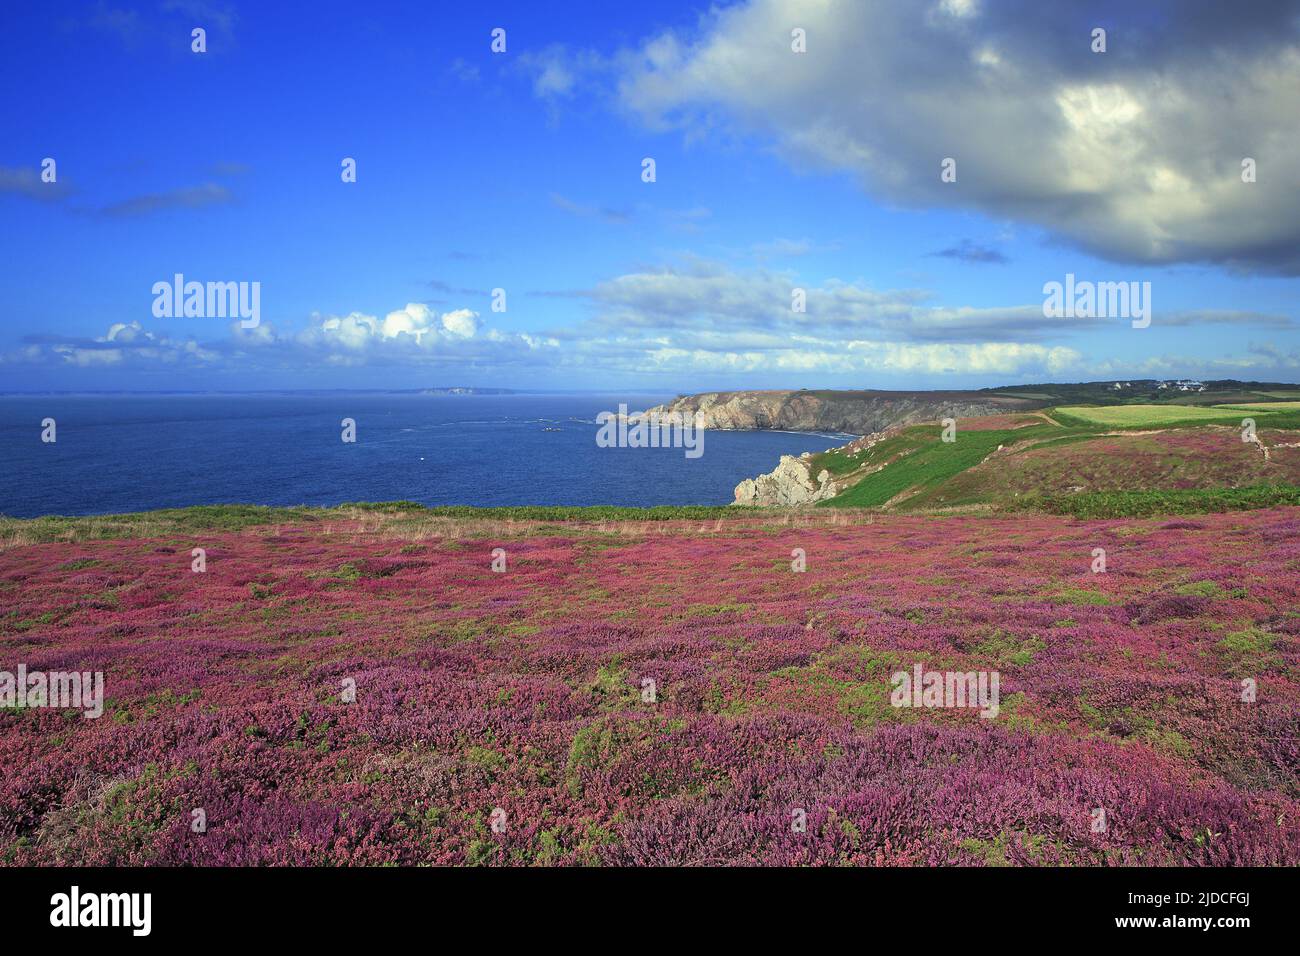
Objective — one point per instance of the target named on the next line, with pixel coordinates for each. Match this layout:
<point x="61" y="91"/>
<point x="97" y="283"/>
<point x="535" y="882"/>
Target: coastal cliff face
<point x="858" y="412"/>
<point x="790" y="483"/>
<point x="870" y="414"/>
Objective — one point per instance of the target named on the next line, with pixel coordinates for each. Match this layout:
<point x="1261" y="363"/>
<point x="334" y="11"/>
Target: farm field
<point x="524" y="692"/>
<point x="1267" y="406"/>
<point x="1129" y="416"/>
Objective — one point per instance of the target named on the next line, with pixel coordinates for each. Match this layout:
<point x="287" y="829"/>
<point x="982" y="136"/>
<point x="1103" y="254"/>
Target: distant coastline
<point x="441" y="390"/>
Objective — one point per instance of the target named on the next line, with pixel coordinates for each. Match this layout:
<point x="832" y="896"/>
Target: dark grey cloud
<point x="969" y="251"/>
<point x="1133" y="155"/>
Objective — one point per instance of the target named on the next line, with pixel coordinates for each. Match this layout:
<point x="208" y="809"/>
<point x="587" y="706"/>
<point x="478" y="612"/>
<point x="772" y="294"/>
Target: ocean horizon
<point x="131" y="451"/>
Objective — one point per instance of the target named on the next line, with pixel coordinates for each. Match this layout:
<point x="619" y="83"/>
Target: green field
<point x="1266" y="406"/>
<point x="1137" y="416"/>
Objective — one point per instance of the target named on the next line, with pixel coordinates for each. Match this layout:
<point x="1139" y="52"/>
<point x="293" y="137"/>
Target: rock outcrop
<point x="790" y="483"/>
<point x="856" y="412"/>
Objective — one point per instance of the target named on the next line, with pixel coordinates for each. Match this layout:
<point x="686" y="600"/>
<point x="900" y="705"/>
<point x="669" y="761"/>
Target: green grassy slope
<point x="914" y="470"/>
<point x="934" y="461"/>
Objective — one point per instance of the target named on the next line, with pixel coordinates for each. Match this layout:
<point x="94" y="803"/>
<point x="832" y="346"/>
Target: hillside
<point x="1039" y="459"/>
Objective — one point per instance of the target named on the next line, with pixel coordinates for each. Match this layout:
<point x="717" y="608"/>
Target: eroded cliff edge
<point x="793" y="482"/>
<point x="854" y="412"/>
<point x="790" y="483"/>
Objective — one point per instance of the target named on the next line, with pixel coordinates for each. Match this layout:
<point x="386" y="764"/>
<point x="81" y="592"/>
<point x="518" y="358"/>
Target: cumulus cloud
<point x="680" y="324"/>
<point x="414" y="335"/>
<point x="126" y="344"/>
<point x="1134" y="155"/>
<point x="416" y="324"/>
<point x="462" y="323"/>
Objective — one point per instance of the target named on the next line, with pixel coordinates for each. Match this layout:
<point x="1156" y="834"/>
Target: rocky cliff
<point x="790" y="483"/>
<point x="856" y="412"/>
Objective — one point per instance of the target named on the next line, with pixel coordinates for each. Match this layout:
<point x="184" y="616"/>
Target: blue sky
<point x="522" y="170"/>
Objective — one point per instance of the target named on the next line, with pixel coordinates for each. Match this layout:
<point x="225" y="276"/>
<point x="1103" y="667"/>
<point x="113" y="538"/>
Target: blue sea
<point x="117" y="453"/>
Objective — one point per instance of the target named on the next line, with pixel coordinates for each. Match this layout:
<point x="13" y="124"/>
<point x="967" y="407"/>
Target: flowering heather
<point x="530" y="690"/>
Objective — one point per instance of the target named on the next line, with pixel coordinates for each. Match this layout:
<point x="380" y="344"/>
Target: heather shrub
<point x="332" y="695"/>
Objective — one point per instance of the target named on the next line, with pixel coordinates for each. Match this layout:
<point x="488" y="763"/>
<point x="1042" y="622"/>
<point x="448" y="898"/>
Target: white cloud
<point x="125" y="343"/>
<point x="701" y="322"/>
<point x="462" y="322"/>
<point x="558" y="70"/>
<point x="415" y="325"/>
<point x="865" y="358"/>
